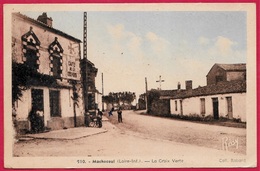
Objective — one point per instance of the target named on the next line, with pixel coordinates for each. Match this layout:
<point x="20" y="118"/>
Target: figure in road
<point x="110" y="113"/>
<point x="119" y="113"/>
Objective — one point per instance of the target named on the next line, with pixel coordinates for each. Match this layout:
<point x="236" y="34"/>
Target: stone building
<point x="226" y="72"/>
<point x="51" y="59"/>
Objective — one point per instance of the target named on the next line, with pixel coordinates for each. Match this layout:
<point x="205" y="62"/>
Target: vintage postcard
<point x="130" y="85"/>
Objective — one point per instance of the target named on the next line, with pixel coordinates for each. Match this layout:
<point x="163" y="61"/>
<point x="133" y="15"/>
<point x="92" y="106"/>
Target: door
<point x="55" y="103"/>
<point x="181" y="107"/>
<point x="215" y="108"/>
<point x="202" y="107"/>
<point x="36" y="115"/>
<point x="229" y="107"/>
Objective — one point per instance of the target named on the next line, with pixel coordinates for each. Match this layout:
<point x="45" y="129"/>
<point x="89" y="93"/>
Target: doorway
<point x="36" y="115"/>
<point x="229" y="107"/>
<point x="55" y="103"/>
<point x="181" y="107"/>
<point x="215" y="108"/>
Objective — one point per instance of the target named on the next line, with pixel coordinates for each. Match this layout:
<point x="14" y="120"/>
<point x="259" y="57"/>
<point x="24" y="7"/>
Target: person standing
<point x="119" y="113"/>
<point x="110" y="113"/>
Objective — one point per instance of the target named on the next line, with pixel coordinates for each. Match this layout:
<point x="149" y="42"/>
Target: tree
<point x="19" y="80"/>
<point x="152" y="96"/>
<point x="75" y="99"/>
<point x="141" y="101"/>
<point x="119" y="97"/>
<point x="111" y="98"/>
<point x="127" y="97"/>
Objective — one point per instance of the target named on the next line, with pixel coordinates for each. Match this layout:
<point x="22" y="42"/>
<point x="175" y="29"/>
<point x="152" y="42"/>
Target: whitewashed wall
<point x="98" y="100"/>
<point x="193" y="105"/>
<point x="23" y="106"/>
<point x="66" y="103"/>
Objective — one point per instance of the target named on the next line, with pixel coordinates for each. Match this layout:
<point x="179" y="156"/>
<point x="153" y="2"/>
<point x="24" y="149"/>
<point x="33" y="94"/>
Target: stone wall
<point x="160" y="107"/>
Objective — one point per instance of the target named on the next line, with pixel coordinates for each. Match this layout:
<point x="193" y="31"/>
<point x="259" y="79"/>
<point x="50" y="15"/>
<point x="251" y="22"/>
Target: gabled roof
<point x="56" y="31"/>
<point x="233" y="67"/>
<point x="213" y="89"/>
<point x="229" y="67"/>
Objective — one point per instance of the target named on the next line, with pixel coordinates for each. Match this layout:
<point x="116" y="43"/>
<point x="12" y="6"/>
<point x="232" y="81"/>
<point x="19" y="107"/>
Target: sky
<point x="129" y="46"/>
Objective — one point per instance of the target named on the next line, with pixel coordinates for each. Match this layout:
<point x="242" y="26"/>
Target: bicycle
<point x="95" y="121"/>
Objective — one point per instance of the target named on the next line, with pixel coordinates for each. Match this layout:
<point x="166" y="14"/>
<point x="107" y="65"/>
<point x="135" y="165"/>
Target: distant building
<point x="161" y="106"/>
<point x="89" y="73"/>
<point x="226" y="72"/>
<point x="53" y="54"/>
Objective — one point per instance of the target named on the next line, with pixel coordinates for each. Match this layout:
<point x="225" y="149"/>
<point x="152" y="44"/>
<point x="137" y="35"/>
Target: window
<point x="31" y="59"/>
<point x="31" y="45"/>
<point x="219" y="79"/>
<point x="55" y="103"/>
<point x="202" y="106"/>
<point x="176" y="106"/>
<point x="56" y="67"/>
<point x="55" y="51"/>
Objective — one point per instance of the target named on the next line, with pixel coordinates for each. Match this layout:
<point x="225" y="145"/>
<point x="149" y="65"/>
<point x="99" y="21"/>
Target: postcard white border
<point x="69" y="162"/>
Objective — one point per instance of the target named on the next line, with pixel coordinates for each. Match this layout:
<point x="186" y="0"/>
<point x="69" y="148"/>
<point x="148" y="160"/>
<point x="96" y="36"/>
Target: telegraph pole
<point x="146" y="90"/>
<point x="102" y="92"/>
<point x="85" y="60"/>
<point x="85" y="70"/>
<point x="160" y="82"/>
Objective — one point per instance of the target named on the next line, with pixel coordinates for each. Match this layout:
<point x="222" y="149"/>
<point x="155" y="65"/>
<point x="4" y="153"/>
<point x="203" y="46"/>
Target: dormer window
<point x="56" y="52"/>
<point x="31" y="46"/>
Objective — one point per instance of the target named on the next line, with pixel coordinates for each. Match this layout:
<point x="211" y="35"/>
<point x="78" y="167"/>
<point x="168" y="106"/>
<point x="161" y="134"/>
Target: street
<point x="142" y="135"/>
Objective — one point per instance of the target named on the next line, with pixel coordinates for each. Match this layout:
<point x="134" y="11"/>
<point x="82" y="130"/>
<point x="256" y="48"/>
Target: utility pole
<point x="85" y="69"/>
<point x="102" y="92"/>
<point x="85" y="60"/>
<point x="160" y="82"/>
<point x="146" y="91"/>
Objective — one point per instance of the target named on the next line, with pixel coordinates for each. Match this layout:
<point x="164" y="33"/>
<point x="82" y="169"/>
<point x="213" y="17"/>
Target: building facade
<point x="224" y="96"/>
<point x="226" y="99"/>
<point x="54" y="88"/>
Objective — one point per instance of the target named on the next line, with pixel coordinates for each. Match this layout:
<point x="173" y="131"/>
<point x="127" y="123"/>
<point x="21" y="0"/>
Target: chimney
<point x="45" y="19"/>
<point x="179" y="86"/>
<point x="189" y="85"/>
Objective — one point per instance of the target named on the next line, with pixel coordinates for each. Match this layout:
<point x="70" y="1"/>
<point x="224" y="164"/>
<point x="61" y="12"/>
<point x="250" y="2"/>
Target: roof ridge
<point x="50" y="27"/>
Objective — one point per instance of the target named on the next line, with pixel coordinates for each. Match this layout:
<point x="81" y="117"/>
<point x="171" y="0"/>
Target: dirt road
<point x="204" y="135"/>
<point x="140" y="135"/>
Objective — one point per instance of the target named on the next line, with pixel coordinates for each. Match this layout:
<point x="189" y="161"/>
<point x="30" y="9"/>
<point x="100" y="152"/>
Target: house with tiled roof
<point x="220" y="98"/>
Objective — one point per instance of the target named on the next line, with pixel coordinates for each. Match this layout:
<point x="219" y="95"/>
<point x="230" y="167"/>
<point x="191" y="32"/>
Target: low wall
<point x="55" y="123"/>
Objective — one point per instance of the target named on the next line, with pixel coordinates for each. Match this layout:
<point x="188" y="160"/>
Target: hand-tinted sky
<point x="129" y="46"/>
